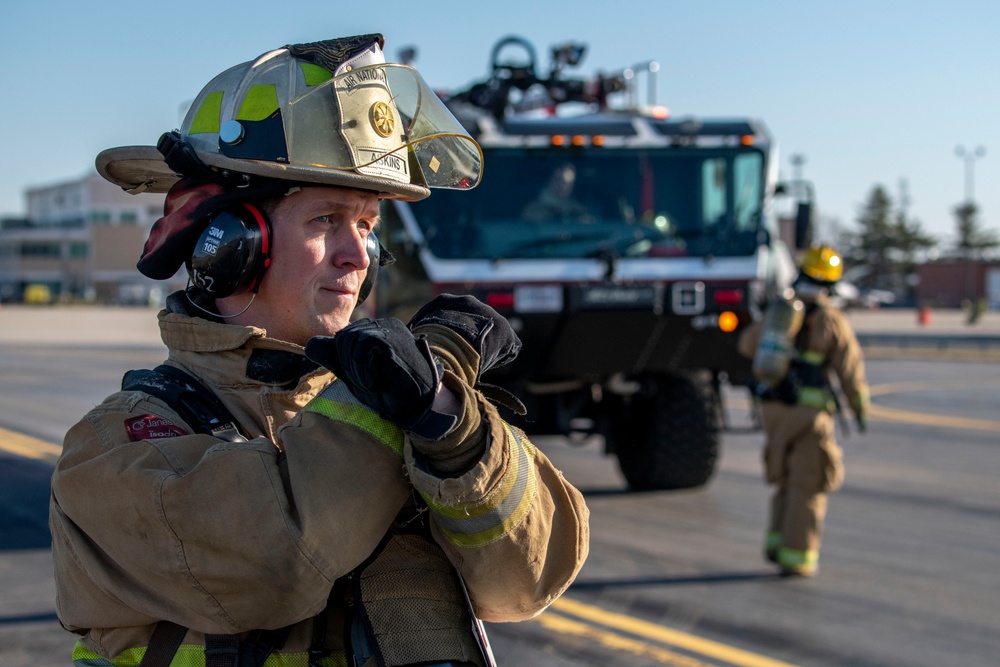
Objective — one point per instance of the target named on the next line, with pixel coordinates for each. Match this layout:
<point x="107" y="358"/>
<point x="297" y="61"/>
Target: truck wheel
<point x="667" y="435"/>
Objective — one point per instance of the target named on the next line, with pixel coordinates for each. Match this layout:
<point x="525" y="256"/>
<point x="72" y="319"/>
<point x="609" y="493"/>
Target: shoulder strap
<point x="192" y="400"/>
<point x="166" y="639"/>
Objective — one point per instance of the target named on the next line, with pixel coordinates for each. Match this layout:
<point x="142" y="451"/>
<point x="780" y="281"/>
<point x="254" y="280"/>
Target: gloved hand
<point x="862" y="420"/>
<point x="476" y="326"/>
<point x="388" y="370"/>
<point x="486" y="330"/>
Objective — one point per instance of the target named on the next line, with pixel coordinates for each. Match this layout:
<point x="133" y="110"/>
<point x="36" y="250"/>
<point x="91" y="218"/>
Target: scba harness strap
<point x="205" y="413"/>
<point x="195" y="403"/>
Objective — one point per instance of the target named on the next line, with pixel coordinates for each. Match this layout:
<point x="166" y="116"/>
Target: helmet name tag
<point x="368" y="124"/>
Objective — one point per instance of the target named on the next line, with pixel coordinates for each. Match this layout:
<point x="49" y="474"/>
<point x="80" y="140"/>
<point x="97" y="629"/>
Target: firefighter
<point x="291" y="487"/>
<point x="802" y="459"/>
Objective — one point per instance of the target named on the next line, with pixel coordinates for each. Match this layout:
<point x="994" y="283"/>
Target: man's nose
<point x="352" y="248"/>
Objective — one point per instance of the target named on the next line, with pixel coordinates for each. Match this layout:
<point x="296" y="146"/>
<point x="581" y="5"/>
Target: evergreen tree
<point x="972" y="238"/>
<point x="874" y="241"/>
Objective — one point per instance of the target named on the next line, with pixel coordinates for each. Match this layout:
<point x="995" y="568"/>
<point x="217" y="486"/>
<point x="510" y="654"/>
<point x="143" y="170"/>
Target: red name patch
<point x="151" y="427"/>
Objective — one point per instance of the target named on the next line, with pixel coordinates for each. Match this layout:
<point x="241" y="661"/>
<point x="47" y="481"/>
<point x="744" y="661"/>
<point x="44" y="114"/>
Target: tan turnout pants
<point x="804" y="462"/>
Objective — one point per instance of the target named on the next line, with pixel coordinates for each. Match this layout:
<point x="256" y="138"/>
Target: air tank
<point x="782" y="321"/>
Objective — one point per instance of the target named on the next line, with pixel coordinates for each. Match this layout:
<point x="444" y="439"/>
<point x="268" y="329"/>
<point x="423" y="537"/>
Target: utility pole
<point x="970" y="158"/>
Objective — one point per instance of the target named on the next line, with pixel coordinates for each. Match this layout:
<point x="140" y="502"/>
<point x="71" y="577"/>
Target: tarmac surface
<point x="131" y="325"/>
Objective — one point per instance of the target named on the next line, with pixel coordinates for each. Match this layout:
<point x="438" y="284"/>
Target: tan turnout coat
<point x="225" y="537"/>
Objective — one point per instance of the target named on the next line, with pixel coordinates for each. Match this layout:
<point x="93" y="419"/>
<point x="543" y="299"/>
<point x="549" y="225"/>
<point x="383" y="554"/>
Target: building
<point x="949" y="283"/>
<point x="80" y="242"/>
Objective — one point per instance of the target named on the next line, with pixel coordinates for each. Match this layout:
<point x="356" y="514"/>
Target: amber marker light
<point x="598" y="140"/>
<point x="747" y="140"/>
<point x="579" y="140"/>
<point x="728" y="321"/>
<point x="558" y="140"/>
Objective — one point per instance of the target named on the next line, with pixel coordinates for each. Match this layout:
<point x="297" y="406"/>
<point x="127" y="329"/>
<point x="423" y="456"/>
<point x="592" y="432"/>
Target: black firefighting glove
<point x="457" y="327"/>
<point x="389" y="370"/>
<point x="862" y="418"/>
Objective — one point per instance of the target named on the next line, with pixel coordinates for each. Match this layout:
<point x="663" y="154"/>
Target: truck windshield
<point x="563" y="204"/>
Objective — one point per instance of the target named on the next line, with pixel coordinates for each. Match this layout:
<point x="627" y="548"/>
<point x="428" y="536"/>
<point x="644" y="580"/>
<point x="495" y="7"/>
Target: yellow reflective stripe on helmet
<point x="261" y="101"/>
<point x="193" y="655"/>
<point x="207" y="117"/>
<point x="314" y="74"/>
<point x="487" y="520"/>
<point x="337" y="403"/>
<point x="816" y="397"/>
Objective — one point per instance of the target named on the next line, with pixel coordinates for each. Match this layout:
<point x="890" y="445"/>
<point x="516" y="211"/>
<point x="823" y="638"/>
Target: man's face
<point x="318" y="261"/>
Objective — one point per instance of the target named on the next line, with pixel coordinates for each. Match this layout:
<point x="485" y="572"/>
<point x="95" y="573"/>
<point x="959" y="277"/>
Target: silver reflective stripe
<point x="484" y="521"/>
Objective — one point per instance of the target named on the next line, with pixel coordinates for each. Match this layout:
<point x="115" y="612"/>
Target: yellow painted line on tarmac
<point x="25" y="445"/>
<point x="617" y="642"/>
<point x="928" y="419"/>
<point x="692" y="643"/>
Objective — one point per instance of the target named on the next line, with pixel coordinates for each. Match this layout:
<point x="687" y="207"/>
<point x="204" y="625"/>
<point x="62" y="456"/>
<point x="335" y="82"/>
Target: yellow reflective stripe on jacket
<point x="479" y="523"/>
<point x="193" y="655"/>
<point x="816" y="397"/>
<point x="337" y="403"/>
<point x="810" y="357"/>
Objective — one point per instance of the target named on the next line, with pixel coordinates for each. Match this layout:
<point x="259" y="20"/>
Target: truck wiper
<point x="621" y="243"/>
<point x="562" y="238"/>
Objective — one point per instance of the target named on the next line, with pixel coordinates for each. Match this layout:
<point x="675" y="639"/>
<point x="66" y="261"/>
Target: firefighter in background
<point x="802" y="459"/>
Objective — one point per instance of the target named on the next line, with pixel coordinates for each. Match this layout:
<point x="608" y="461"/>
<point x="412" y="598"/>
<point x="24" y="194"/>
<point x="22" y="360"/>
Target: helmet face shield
<point x="383" y="121"/>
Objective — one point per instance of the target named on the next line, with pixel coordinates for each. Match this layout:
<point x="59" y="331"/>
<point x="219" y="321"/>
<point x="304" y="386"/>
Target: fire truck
<point x="628" y="249"/>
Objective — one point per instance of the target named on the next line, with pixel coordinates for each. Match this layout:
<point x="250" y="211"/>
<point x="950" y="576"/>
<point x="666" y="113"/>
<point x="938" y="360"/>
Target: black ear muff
<point x="232" y="253"/>
<point x="377" y="257"/>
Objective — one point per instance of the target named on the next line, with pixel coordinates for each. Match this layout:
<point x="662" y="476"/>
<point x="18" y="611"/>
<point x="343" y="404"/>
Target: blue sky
<point x="874" y="92"/>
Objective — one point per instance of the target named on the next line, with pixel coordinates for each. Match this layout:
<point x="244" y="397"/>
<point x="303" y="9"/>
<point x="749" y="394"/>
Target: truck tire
<point x="667" y="435"/>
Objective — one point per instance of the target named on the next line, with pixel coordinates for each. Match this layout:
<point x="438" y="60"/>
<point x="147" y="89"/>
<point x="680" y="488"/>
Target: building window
<point x="78" y="250"/>
<point x="40" y="249"/>
<point x="128" y="217"/>
<point x="100" y="217"/>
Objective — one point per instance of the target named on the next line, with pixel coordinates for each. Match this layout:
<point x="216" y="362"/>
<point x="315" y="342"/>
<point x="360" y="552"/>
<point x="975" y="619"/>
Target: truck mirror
<point x="803" y="225"/>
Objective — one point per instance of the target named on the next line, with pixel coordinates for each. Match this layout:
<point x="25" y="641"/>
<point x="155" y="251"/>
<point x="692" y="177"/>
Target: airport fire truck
<point x="627" y="248"/>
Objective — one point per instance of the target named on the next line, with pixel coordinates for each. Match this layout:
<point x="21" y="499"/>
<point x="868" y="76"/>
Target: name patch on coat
<point x="151" y="427"/>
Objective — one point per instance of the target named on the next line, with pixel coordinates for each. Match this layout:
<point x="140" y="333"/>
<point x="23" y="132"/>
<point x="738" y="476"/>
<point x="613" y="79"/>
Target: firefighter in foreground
<point x="800" y="339"/>
<point x="292" y="488"/>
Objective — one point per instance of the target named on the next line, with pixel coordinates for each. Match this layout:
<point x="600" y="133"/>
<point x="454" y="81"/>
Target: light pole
<point x="970" y="158"/>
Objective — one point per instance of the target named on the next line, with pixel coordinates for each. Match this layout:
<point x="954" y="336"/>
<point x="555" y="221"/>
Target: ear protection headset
<point x="233" y="252"/>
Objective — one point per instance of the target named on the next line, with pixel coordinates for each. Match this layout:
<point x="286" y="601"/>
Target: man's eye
<point x="322" y="218"/>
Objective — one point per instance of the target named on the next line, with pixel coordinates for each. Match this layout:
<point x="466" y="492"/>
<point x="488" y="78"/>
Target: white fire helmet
<point x="327" y="113"/>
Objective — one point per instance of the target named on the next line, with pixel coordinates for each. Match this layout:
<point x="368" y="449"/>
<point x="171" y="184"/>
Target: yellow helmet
<point x="823" y="264"/>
